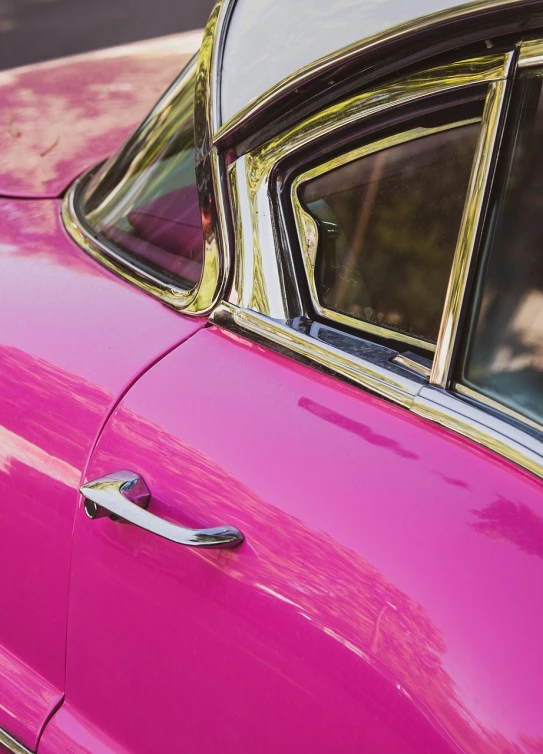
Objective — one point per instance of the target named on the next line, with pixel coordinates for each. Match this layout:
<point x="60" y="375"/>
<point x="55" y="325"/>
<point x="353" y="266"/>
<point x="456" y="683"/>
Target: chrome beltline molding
<point x="485" y="429"/>
<point x="11" y="744"/>
<point x="220" y="130"/>
<point x="394" y="387"/>
<point x="428" y="401"/>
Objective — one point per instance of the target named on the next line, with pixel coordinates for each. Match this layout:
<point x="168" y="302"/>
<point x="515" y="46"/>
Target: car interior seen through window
<point x="388" y="222"/>
<point x="152" y="214"/>
<point x="505" y="355"/>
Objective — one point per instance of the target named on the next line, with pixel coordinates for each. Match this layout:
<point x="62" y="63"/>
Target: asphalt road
<point x="33" y="30"/>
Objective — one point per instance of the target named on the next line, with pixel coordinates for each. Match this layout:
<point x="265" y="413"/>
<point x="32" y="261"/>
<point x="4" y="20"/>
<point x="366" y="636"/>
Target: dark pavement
<point x="33" y="30"/>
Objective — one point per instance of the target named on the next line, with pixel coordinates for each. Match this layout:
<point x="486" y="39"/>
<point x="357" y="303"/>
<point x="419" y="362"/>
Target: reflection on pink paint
<point x="72" y="338"/>
<point x="356" y="599"/>
<point x="507" y="521"/>
<point x="21" y="683"/>
<point x="14" y="448"/>
<point x="60" y="118"/>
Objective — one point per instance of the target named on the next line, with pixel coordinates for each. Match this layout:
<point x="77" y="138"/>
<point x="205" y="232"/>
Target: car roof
<point x="267" y="50"/>
<point x="268" y="41"/>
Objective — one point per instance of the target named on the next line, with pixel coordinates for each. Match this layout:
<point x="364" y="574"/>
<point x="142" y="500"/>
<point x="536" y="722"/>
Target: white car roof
<point x="269" y="40"/>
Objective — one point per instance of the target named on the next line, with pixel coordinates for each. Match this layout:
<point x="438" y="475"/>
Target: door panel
<point x="383" y="599"/>
<point x="72" y="339"/>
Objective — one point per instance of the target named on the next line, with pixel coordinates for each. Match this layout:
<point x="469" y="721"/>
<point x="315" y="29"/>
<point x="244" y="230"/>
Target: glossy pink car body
<point x="388" y="594"/>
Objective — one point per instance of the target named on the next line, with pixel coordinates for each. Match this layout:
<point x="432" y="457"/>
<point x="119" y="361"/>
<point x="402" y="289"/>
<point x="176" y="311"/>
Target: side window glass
<point x="504" y="358"/>
<point x="145" y="202"/>
<point x="387" y="218"/>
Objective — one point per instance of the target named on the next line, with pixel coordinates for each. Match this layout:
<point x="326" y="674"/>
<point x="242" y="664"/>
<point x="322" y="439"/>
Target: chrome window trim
<point x="455" y="299"/>
<point x="197" y="300"/>
<point x="307" y="230"/>
<point x="262" y="286"/>
<point x="11" y="744"/>
<point x="107" y="256"/>
<point x="488" y="430"/>
<point x="210" y="132"/>
<point x="530" y="54"/>
<point x="416" y="366"/>
<point x="399" y="388"/>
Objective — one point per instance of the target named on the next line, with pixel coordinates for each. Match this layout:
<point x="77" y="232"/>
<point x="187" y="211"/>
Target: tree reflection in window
<point x="505" y="357"/>
<point x="388" y="226"/>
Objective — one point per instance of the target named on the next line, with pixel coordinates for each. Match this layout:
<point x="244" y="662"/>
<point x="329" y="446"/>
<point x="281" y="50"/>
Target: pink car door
<point x="358" y="614"/>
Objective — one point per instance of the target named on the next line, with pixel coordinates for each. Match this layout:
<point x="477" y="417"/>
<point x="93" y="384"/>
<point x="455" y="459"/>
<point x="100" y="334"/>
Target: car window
<point x="387" y="225"/>
<point x="145" y="201"/>
<point x="504" y="359"/>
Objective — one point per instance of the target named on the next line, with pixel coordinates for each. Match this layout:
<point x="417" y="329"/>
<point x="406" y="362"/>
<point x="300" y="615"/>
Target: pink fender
<point x="73" y="337"/>
<point x="64" y="116"/>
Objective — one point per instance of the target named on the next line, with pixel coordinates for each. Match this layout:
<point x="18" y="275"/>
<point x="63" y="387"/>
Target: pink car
<point x="271" y="397"/>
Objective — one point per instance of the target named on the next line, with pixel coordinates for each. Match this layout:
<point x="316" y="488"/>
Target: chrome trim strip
<point x="415" y="26"/>
<point x="486" y="429"/>
<point x="204" y="87"/>
<point x="393" y="386"/>
<point x="216" y="257"/>
<point x="258" y="281"/>
<point x="223" y="19"/>
<point x="430" y="402"/>
<point x="11" y="744"/>
<point x="308" y="232"/>
<point x="494" y="405"/>
<point x="469" y="229"/>
<point x="243" y="239"/>
<point x="264" y="290"/>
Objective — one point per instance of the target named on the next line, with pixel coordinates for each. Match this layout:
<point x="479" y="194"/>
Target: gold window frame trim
<point x="470" y="226"/>
<point x="261" y="287"/>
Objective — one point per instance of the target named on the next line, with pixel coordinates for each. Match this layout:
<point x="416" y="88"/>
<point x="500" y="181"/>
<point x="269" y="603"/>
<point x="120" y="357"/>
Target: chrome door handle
<point x="125" y="495"/>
